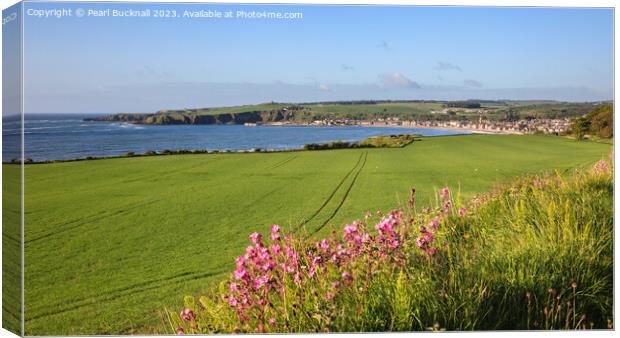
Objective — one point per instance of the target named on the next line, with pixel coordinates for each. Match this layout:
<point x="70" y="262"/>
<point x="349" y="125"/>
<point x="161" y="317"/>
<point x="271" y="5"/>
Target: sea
<point x="68" y="136"/>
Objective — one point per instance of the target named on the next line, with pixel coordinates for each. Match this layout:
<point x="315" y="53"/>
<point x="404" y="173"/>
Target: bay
<point x="68" y="136"/>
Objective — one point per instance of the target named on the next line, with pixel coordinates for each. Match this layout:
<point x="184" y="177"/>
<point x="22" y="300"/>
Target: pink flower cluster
<point x="427" y="239"/>
<point x="189" y="316"/>
<point x="259" y="272"/>
<point x="259" y="282"/>
<point x="388" y="239"/>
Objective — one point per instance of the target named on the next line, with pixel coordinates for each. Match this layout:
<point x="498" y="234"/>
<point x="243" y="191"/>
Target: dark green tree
<point x="580" y="127"/>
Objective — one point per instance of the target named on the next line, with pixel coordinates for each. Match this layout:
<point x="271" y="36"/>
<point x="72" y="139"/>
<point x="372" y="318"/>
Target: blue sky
<point x="107" y="64"/>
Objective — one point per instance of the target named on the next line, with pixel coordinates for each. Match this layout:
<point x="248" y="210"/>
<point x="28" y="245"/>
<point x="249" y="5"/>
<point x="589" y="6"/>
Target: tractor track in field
<point x="329" y="198"/>
<point x="99" y="216"/>
<point x="164" y="176"/>
<point x="346" y="194"/>
<point x="281" y="163"/>
<point x="112" y="295"/>
<point x="84" y="221"/>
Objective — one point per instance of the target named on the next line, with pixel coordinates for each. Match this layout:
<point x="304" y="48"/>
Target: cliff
<point x="165" y="118"/>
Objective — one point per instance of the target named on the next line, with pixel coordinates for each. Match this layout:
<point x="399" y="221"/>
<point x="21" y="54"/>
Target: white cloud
<point x="323" y="87"/>
<point x="397" y="79"/>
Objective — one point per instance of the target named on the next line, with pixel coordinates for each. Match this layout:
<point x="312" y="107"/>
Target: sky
<point x="129" y="64"/>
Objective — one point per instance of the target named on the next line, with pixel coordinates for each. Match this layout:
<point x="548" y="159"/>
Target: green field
<point x="111" y="242"/>
<point x="338" y="109"/>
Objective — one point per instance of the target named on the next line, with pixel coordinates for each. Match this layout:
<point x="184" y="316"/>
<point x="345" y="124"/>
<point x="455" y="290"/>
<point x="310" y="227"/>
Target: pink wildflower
<point x="323" y="245"/>
<point x="445" y="192"/>
<point x="425" y="240"/>
<point x="255" y="237"/>
<point x="249" y="251"/>
<point x="187" y="314"/>
<point x="462" y="212"/>
<point x="419" y="242"/>
<point x="275" y="233"/>
<point x="180" y="330"/>
<point x="366" y="238"/>
<point x="312" y="271"/>
<point x="261" y="281"/>
<point x="240" y="273"/>
<point x="394" y="244"/>
<point x="271" y="321"/>
<point x="340" y="250"/>
<point x="350" y="229"/>
<point x="297" y="278"/>
<point x="347" y="278"/>
<point x="357" y="239"/>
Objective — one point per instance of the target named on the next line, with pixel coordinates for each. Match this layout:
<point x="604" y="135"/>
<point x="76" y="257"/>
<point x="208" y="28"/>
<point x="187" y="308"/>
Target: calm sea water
<point x="67" y="136"/>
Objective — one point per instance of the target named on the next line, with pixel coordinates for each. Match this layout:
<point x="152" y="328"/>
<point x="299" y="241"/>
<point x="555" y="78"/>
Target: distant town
<point x="524" y="126"/>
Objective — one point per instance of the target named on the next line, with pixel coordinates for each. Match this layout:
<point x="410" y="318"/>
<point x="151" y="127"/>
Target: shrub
<point x="330" y="145"/>
<point x="599" y="122"/>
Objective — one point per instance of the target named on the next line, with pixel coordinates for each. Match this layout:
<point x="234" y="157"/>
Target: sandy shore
<point x="471" y="130"/>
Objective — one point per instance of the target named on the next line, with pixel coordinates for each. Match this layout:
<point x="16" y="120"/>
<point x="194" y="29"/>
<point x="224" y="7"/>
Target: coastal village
<point x="531" y="126"/>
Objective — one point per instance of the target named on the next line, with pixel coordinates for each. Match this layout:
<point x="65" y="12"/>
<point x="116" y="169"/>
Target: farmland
<point x="110" y="242"/>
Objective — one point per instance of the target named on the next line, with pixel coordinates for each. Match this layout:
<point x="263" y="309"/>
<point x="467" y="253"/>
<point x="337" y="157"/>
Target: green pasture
<point x="109" y="243"/>
<point x="321" y="109"/>
<point x="379" y="108"/>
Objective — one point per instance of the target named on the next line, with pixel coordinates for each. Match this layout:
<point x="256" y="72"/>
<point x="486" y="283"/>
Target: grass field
<point x="111" y="242"/>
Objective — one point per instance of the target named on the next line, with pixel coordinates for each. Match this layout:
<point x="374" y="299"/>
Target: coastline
<point x="471" y="130"/>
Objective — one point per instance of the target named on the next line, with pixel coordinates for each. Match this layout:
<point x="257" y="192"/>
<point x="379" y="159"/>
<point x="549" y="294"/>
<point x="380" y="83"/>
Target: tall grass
<point x="534" y="254"/>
